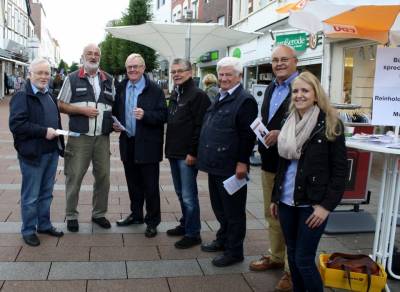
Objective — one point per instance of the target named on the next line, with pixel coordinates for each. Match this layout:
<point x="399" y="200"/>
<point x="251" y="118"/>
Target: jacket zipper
<point x="309" y="139"/>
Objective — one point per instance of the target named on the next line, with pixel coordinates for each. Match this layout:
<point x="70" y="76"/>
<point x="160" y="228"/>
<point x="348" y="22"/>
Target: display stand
<point x="354" y="220"/>
<point x="386" y="218"/>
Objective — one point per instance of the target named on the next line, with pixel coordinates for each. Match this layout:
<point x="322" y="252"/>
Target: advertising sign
<point x="297" y="41"/>
<point x="386" y="96"/>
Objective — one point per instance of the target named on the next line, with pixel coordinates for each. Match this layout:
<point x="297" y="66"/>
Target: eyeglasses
<point x="133" y="67"/>
<point x="94" y="54"/>
<point x="41" y="73"/>
<point x="284" y="60"/>
<point x="179" y="71"/>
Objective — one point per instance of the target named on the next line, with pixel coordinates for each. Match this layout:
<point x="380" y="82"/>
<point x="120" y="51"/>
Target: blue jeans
<point x="37" y="192"/>
<point x="301" y="243"/>
<point x="185" y="184"/>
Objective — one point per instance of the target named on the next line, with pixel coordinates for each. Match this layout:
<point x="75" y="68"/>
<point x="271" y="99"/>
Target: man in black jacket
<point x="34" y="118"/>
<point x="226" y="142"/>
<point x="187" y="107"/>
<point x="273" y="110"/>
<point x="141" y="108"/>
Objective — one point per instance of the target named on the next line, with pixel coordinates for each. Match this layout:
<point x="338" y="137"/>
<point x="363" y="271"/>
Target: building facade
<point x="47" y="47"/>
<point x="15" y="33"/>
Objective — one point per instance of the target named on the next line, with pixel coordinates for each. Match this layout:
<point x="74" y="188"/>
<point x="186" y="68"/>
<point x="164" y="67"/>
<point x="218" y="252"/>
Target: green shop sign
<point x="209" y="56"/>
<point x="237" y="53"/>
<point x="297" y="41"/>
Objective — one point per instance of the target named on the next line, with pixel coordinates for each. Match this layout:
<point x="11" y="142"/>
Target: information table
<point x="388" y="207"/>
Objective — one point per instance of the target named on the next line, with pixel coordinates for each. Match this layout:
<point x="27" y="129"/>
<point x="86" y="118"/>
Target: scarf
<point x="295" y="132"/>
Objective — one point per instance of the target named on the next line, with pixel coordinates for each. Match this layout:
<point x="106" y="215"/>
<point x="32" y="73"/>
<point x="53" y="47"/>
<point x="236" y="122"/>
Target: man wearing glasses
<point x="273" y="110"/>
<point x="141" y="111"/>
<point x="186" y="110"/>
<point x="87" y="96"/>
<point x="34" y="118"/>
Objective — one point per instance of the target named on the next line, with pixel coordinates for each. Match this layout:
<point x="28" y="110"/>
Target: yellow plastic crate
<point x="359" y="282"/>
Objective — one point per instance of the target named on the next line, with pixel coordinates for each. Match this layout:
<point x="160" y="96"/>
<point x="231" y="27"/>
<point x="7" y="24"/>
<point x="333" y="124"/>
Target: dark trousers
<point x="143" y="185"/>
<point x="230" y="211"/>
<point x="301" y="244"/>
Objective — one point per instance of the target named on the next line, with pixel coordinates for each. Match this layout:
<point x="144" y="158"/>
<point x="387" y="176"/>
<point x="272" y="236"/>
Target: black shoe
<point x="212" y="246"/>
<point x="187" y="242"/>
<point x="129" y="221"/>
<point x="150" y="231"/>
<point x="52" y="232"/>
<point x="73" y="225"/>
<point x="102" y="222"/>
<point x="31" y="239"/>
<point x="177" y="231"/>
<point x="226" y="260"/>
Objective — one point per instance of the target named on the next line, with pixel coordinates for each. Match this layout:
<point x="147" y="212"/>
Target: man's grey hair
<point x="293" y="51"/>
<point x="231" y="62"/>
<point x="183" y="62"/>
<point x="90" y="46"/>
<point x="36" y="62"/>
<point x="135" y="56"/>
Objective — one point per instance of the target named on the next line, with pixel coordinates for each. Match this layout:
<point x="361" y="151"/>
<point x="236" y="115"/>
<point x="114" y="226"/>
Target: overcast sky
<point x="75" y="23"/>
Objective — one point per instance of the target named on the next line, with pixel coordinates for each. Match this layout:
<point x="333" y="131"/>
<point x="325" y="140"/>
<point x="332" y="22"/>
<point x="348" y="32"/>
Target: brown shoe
<point x="284" y="284"/>
<point x="265" y="263"/>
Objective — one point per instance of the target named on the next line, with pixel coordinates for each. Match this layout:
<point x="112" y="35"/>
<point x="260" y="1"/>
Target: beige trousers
<point x="277" y="241"/>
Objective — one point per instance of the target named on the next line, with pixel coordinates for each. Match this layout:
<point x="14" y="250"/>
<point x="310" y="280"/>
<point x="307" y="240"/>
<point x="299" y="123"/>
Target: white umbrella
<point x="168" y="39"/>
<point x="364" y="19"/>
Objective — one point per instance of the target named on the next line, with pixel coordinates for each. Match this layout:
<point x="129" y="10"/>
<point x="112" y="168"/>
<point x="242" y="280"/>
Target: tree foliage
<point x="62" y="66"/>
<point x="74" y="66"/>
<point x="114" y="51"/>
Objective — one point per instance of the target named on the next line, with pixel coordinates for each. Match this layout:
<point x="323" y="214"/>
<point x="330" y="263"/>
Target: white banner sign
<point x="386" y="98"/>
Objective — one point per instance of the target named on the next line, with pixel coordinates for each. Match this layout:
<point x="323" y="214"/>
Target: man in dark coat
<point x="34" y="118"/>
<point x="141" y="109"/>
<point x="273" y="110"/>
<point x="186" y="110"/>
<point x="226" y="143"/>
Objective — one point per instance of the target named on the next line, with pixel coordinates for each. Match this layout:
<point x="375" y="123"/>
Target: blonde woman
<point x="310" y="180"/>
<point x="210" y="86"/>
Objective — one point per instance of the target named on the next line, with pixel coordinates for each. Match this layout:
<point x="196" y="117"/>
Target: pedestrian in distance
<point x="141" y="109"/>
<point x="6" y="85"/>
<point x="34" y="118"/>
<point x="87" y="96"/>
<point x="186" y="109"/>
<point x="310" y="179"/>
<point x="210" y="85"/>
<point x="225" y="145"/>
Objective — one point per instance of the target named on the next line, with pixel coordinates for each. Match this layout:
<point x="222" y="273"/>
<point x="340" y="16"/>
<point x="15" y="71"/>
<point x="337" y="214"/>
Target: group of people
<point x="303" y="167"/>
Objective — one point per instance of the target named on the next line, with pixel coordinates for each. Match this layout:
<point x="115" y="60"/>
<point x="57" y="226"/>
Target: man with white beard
<point x="87" y="96"/>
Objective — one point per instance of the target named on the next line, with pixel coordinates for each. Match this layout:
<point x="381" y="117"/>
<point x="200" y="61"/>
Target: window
<point x="359" y="70"/>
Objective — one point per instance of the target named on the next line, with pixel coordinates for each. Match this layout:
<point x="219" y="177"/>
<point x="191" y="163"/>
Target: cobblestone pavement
<point x="122" y="259"/>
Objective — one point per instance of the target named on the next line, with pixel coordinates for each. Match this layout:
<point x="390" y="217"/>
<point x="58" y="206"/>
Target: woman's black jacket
<point x="321" y="170"/>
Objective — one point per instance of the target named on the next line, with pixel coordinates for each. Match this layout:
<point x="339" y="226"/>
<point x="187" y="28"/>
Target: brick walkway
<point x="122" y="259"/>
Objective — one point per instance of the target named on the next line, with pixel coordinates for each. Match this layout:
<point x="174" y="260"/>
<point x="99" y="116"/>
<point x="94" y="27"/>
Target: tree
<point x="115" y="51"/>
<point x="74" y="66"/>
<point x="62" y="66"/>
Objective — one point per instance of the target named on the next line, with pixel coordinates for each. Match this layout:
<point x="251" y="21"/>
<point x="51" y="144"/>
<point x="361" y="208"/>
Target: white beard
<point x="90" y="66"/>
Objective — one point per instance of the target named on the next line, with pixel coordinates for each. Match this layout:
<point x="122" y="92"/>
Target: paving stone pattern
<point x="121" y="258"/>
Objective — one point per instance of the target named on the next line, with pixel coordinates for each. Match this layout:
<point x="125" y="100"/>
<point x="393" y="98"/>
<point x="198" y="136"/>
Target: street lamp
<point x="188" y="19"/>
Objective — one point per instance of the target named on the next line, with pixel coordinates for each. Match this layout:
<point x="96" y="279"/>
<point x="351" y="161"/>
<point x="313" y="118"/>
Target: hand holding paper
<point x="260" y="130"/>
<point x="118" y="124"/>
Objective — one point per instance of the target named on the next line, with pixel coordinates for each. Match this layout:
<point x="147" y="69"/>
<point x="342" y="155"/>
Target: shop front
<point x="256" y="56"/>
<point x="207" y="64"/>
<point x="352" y="73"/>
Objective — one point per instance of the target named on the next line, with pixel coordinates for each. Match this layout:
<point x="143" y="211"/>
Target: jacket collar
<point x="124" y="83"/>
<point x="82" y="74"/>
<point x="185" y="85"/>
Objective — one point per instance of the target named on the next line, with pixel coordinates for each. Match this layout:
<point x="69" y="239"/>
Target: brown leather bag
<point x="358" y="263"/>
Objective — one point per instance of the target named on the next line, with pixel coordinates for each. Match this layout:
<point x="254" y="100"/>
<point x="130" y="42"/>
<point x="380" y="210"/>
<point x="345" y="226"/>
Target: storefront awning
<point x="14" y="61"/>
